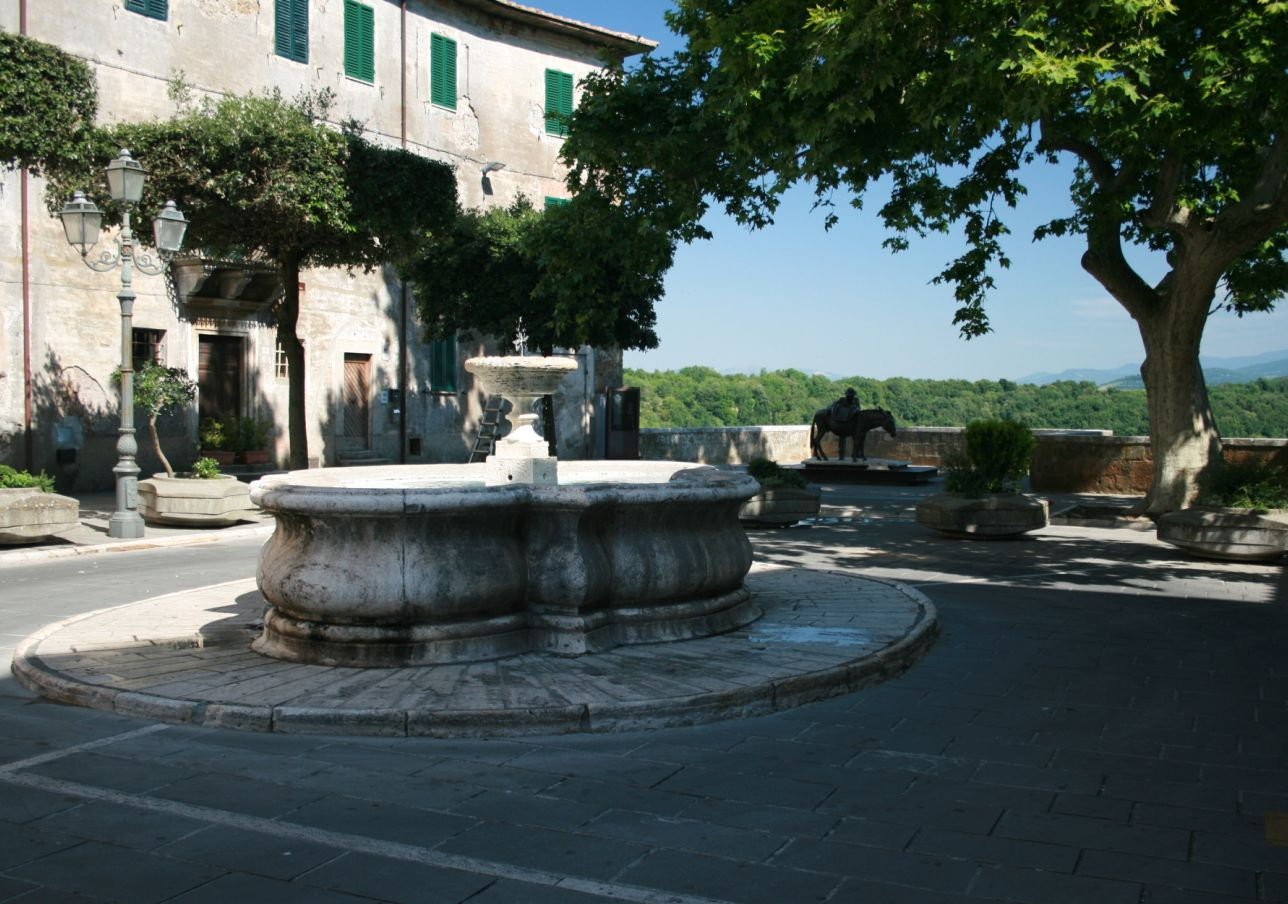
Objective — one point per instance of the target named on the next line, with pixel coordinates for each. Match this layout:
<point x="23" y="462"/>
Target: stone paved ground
<point x="1102" y="720"/>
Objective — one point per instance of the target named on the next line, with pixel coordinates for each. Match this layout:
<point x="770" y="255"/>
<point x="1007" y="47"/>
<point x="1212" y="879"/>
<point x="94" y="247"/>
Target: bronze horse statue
<point x="856" y="427"/>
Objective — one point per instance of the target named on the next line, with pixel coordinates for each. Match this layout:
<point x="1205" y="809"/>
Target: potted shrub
<point x="30" y="510"/>
<point x="160" y="390"/>
<point x="983" y="499"/>
<point x="1241" y="513"/>
<point x="252" y="440"/>
<point x="217" y="440"/>
<point x="202" y="496"/>
<point x="785" y="496"/>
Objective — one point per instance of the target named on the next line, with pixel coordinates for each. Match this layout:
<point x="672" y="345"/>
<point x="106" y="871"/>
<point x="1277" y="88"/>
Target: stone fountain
<point x="419" y="564"/>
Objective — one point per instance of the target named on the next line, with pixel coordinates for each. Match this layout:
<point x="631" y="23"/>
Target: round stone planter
<point x="992" y="517"/>
<point x="28" y="515"/>
<point x="781" y="505"/>
<point x="1227" y="533"/>
<point x="193" y="502"/>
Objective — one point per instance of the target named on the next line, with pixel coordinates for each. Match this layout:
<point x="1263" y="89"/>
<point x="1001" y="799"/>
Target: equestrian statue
<point x="844" y="418"/>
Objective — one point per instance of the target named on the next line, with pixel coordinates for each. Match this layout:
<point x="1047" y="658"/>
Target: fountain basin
<point x="421" y="564"/>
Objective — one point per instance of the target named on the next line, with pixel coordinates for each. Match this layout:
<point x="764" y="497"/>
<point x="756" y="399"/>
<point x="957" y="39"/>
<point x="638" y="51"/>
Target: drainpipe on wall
<point x="28" y="439"/>
<point x="402" y="326"/>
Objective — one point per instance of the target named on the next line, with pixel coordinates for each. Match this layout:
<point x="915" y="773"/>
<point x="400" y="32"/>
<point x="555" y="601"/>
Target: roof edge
<point x="529" y="15"/>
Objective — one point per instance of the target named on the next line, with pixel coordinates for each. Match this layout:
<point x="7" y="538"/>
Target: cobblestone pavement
<point x="1101" y="720"/>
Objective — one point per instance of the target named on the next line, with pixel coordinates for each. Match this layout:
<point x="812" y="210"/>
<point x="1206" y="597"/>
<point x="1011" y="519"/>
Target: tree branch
<point x="1160" y="215"/>
<point x="1104" y="259"/>
<point x="1101" y="169"/>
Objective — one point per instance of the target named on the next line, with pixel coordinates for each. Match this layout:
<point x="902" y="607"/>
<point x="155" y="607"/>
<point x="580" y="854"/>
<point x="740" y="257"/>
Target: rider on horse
<point x="845" y="408"/>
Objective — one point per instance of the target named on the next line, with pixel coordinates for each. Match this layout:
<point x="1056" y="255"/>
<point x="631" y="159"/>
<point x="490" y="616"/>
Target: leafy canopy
<point x="575" y="274"/>
<point x="1174" y="112"/>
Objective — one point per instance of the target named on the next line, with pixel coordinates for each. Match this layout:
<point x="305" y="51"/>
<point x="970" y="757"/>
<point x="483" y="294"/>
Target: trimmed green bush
<point x="772" y="474"/>
<point x="14" y="479"/>
<point x="205" y="469"/>
<point x="1247" y="484"/>
<point x="997" y="457"/>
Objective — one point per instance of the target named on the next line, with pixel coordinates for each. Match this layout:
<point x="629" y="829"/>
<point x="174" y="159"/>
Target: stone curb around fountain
<point x="181" y="658"/>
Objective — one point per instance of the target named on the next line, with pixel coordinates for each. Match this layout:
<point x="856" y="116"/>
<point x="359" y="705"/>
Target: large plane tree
<point x="1173" y="113"/>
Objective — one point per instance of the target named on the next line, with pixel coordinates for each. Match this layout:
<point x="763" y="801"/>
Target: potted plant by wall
<point x="252" y="440"/>
<point x="202" y="496"/>
<point x="785" y="496"/>
<point x="982" y="499"/>
<point x="193" y="497"/>
<point x="216" y="438"/>
<point x="30" y="510"/>
<point x="1241" y="513"/>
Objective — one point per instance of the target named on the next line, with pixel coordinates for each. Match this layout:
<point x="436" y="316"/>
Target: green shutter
<point x="153" y="9"/>
<point x="359" y="41"/>
<point x="442" y="365"/>
<point x="291" y="30"/>
<point x="556" y="202"/>
<point x="442" y="71"/>
<point x="558" y="101"/>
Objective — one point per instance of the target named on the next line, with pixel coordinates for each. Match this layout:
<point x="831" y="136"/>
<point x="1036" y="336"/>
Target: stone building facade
<point x="468" y="82"/>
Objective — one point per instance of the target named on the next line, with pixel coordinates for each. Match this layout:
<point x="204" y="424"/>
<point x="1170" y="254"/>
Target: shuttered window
<point x="556" y="202"/>
<point x="291" y="30"/>
<point x="558" y="101"/>
<point x="442" y="365"/>
<point x="359" y="41"/>
<point x="442" y="71"/>
<point x="153" y="9"/>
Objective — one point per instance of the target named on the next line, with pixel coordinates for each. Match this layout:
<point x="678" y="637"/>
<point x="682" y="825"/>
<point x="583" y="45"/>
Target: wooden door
<point x="220" y="375"/>
<point x="356" y="407"/>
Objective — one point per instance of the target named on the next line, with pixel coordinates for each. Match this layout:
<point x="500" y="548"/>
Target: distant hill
<point x="1215" y="370"/>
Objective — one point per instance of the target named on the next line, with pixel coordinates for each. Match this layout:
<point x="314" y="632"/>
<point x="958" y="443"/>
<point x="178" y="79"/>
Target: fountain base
<point x="424" y="564"/>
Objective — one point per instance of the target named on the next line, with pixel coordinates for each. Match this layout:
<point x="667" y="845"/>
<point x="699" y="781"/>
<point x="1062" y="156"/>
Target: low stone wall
<point x="1065" y="461"/>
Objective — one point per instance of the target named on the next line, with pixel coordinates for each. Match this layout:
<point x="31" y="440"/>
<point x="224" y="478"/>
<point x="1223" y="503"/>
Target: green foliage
<point x="14" y="479"/>
<point x="999" y="453"/>
<point x="251" y="433"/>
<point x="771" y="474"/>
<point x="159" y="390"/>
<point x="494" y="268"/>
<point x="48" y="102"/>
<point x="265" y="178"/>
<point x="1246" y="484"/>
<point x="204" y="469"/>
<point x="702" y="397"/>
<point x="215" y="435"/>
<point x="1172" y="114"/>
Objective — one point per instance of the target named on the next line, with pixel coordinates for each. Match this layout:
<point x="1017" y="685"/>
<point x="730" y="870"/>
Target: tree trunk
<point x="1182" y="430"/>
<point x="156" y="446"/>
<point x="288" y="316"/>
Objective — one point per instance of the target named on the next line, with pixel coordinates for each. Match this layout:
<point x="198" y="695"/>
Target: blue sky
<point x="794" y="295"/>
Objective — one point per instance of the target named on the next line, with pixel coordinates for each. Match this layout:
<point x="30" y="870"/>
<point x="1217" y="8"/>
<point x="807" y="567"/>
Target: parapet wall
<point x="1066" y="461"/>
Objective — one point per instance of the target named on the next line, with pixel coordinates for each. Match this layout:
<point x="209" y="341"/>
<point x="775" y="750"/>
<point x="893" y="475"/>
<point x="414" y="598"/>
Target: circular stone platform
<point x="186" y="657"/>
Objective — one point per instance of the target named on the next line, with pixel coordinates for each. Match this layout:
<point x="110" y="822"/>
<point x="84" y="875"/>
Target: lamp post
<point x="81" y="221"/>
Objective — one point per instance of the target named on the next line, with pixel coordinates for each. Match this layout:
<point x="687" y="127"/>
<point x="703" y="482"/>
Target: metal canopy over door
<point x="220" y="375"/>
<point x="356" y="408"/>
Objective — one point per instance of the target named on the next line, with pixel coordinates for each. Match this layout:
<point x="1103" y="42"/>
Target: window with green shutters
<point x="153" y="9"/>
<point x="359" y="41"/>
<point x="556" y="202"/>
<point x="442" y="71"/>
<point x="558" y="101"/>
<point x="291" y="30"/>
<point x="442" y="365"/>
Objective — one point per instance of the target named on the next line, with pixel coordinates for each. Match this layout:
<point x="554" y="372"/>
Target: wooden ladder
<point x="485" y="444"/>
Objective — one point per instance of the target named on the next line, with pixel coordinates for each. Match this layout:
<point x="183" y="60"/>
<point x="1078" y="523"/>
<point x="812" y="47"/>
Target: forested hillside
<point x="702" y="397"/>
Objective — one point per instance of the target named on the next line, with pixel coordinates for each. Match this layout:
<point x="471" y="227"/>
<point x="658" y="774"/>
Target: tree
<point x="158" y="390"/>
<point x="1174" y="115"/>
<point x="261" y="177"/>
<point x="579" y="273"/>
<point x="47" y="104"/>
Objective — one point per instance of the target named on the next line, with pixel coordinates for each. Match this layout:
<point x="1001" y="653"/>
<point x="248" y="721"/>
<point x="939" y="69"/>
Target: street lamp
<point x="81" y="221"/>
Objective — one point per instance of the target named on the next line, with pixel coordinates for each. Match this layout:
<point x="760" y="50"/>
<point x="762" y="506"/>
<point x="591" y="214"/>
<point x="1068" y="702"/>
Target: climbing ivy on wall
<point x="47" y="104"/>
